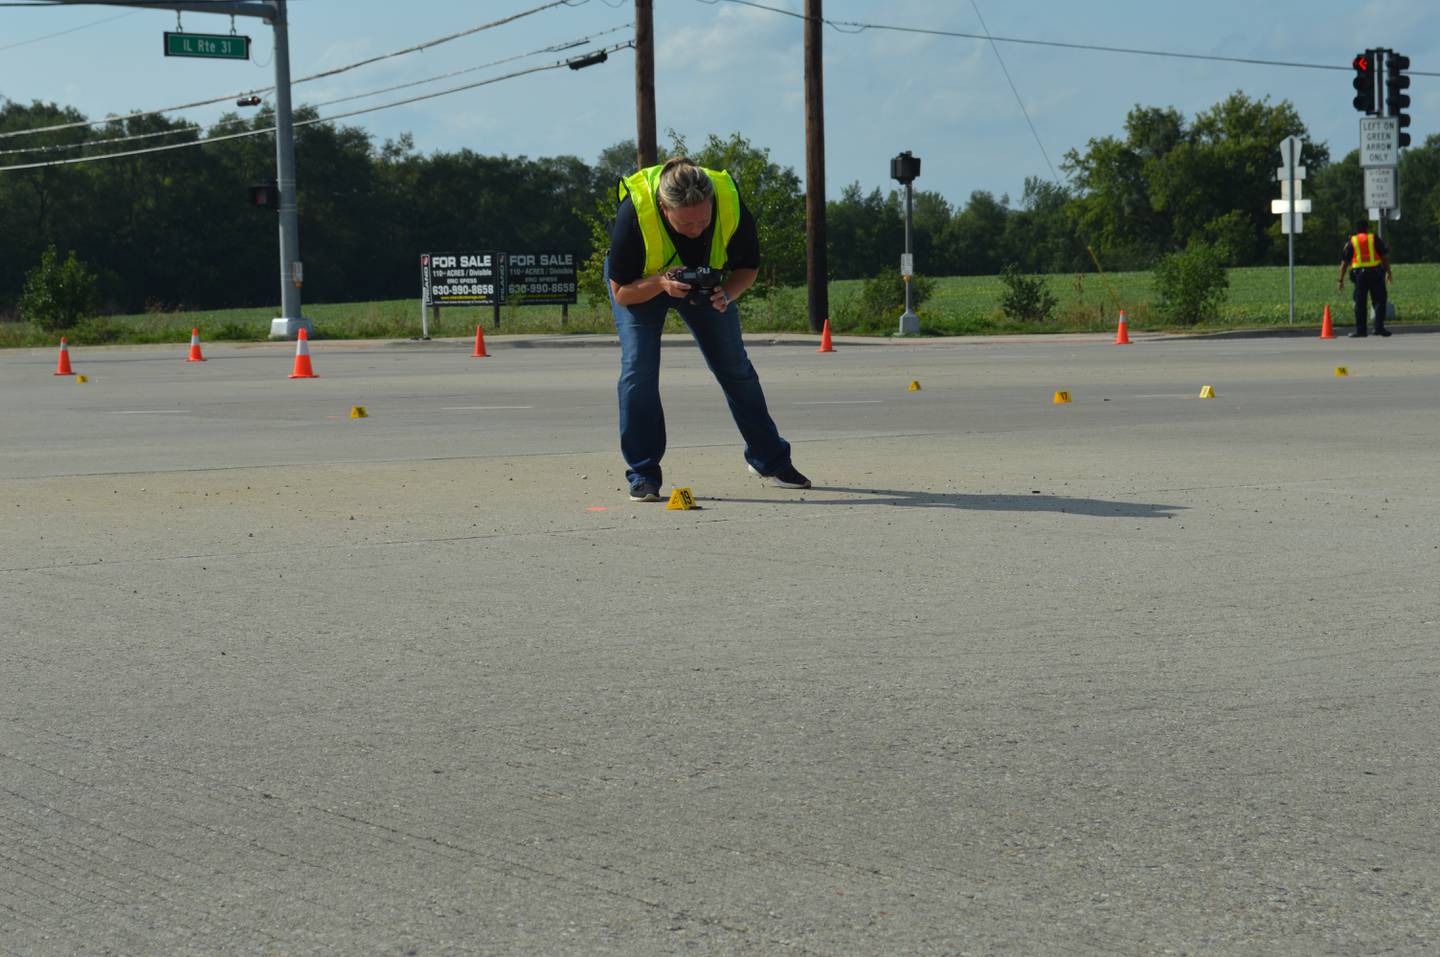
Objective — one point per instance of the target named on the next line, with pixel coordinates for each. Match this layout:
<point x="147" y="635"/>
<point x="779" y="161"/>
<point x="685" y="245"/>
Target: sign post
<point x="1291" y="207"/>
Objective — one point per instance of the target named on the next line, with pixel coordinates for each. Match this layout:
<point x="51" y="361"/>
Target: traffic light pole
<point x="290" y="322"/>
<point x="1383" y="110"/>
<point x="274" y="12"/>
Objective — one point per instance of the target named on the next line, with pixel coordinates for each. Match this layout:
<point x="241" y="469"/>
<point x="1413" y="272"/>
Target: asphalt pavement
<point x="1141" y="673"/>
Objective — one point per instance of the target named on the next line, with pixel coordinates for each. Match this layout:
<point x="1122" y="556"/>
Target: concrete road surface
<point x="1139" y="674"/>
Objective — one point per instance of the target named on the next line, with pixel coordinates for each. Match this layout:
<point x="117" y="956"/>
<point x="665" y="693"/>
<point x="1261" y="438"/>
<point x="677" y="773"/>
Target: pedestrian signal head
<point x="905" y="168"/>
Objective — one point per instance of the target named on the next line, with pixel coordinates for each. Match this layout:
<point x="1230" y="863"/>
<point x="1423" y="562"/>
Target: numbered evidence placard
<point x="537" y="279"/>
<point x="462" y="279"/>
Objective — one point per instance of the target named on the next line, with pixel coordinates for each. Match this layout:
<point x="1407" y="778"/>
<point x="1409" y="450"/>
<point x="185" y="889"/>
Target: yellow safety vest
<point x="659" y="250"/>
<point x="1365" y="256"/>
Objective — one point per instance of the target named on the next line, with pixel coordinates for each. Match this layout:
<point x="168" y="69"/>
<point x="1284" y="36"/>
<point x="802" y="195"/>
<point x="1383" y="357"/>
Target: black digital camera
<point x="702" y="281"/>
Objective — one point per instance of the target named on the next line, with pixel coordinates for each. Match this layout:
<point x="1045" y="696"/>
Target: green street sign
<point x="210" y="46"/>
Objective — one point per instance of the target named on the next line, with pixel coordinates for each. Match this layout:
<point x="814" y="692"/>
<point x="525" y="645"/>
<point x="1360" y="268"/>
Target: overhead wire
<point x="304" y="79"/>
<point x="61" y="33"/>
<point x="1019" y="101"/>
<point x="628" y="44"/>
<point x="81" y="144"/>
<point x="861" y="27"/>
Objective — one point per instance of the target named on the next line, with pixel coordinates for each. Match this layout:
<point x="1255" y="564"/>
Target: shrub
<point x="1191" y="285"/>
<point x="881" y="300"/>
<point x="1026" y="298"/>
<point x="58" y="294"/>
<point x="95" y="331"/>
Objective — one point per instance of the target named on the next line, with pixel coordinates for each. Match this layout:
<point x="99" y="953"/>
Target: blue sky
<point x="723" y="67"/>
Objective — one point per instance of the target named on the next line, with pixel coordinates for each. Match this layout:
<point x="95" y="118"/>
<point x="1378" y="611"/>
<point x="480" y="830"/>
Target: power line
<point x="1031" y="123"/>
<point x="82" y="144"/>
<point x="61" y="33"/>
<point x="304" y="79"/>
<point x="319" y="119"/>
<point x="860" y="27"/>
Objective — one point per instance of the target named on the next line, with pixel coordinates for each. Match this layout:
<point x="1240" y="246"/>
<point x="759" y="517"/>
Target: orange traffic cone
<point x="302" y="358"/>
<point x="64" y="367"/>
<point x="1122" y="334"/>
<point x="825" y="345"/>
<point x="195" y="355"/>
<point x="479" y="352"/>
<point x="1327" y="329"/>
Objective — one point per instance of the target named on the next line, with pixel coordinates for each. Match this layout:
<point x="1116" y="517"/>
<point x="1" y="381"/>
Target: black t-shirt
<point x="627" y="244"/>
<point x="1347" y="255"/>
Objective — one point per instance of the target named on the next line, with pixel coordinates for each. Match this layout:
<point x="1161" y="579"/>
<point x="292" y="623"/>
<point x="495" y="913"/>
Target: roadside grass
<point x="961" y="305"/>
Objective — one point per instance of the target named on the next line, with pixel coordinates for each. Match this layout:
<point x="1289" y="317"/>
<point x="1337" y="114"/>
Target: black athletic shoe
<point x="787" y="477"/>
<point x="644" y="492"/>
<point x="1382" y="332"/>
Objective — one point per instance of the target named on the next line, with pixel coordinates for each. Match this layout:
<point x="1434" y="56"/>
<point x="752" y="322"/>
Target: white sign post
<point x="1290" y="206"/>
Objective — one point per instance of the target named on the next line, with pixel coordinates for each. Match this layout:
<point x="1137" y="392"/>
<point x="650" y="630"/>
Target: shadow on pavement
<point x="993" y="503"/>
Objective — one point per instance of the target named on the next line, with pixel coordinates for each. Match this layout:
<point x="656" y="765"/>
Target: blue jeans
<point x="642" y="419"/>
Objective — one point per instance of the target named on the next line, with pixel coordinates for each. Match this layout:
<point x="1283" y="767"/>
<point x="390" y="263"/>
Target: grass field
<point x="961" y="305"/>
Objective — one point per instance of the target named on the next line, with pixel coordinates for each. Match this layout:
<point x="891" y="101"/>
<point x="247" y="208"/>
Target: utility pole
<point x="645" y="150"/>
<point x="817" y="271"/>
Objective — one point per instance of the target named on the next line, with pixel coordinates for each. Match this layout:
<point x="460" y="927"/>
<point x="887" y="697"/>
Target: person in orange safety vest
<point x="1367" y="258"/>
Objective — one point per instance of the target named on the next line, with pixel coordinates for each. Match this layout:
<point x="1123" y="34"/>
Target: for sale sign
<point x="540" y="278"/>
<point x="462" y="279"/>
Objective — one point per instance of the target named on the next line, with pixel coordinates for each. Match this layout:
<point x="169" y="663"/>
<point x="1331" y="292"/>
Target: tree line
<point x="173" y="229"/>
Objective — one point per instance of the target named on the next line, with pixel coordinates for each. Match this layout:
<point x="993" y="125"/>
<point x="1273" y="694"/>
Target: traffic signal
<point x="1364" y="82"/>
<point x="251" y="100"/>
<point x="265" y="195"/>
<point x="1396" y="99"/>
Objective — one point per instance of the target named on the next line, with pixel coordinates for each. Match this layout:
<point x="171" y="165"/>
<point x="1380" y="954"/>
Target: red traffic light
<point x="1361" y="62"/>
<point x="265" y="195"/>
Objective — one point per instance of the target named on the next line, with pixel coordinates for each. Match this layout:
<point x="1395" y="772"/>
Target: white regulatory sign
<point x="1380" y="187"/>
<point x="1379" y="141"/>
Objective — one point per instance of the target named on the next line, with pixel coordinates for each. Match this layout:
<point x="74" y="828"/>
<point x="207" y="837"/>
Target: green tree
<point x="58" y="294"/>
<point x="974" y="241"/>
<point x="1165" y="184"/>
<point x="863" y="231"/>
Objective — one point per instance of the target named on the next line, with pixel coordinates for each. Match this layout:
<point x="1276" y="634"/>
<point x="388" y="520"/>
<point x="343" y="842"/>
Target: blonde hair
<point x="684" y="184"/>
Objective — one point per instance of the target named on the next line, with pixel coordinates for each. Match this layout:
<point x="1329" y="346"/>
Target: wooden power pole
<point x="817" y="271"/>
<point x="645" y="152"/>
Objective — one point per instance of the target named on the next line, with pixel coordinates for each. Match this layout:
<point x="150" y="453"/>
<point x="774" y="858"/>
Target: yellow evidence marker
<point x="1061" y="397"/>
<point x="358" y="412"/>
<point x="1207" y="392"/>
<point x="914" y="386"/>
<point x="82" y="378"/>
<point x="681" y="500"/>
<point x="1342" y="370"/>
